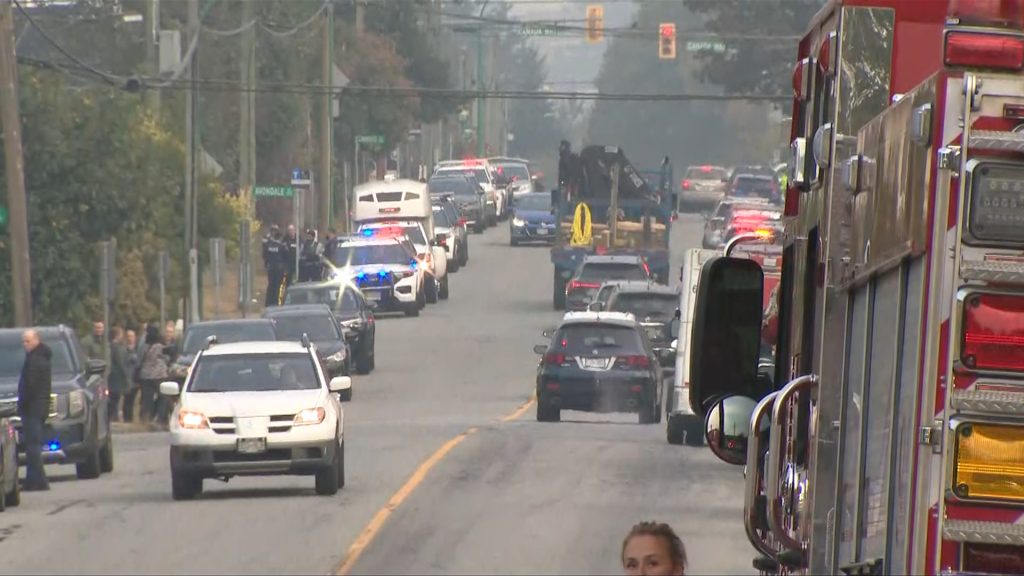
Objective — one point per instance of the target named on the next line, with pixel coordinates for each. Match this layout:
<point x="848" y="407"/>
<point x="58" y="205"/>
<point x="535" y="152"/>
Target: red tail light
<point x="554" y="359"/>
<point x="993" y="333"/>
<point x="686" y="184"/>
<point x="974" y="50"/>
<point x="635" y="361"/>
<point x="577" y="284"/>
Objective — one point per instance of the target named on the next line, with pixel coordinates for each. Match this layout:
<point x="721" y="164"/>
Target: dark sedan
<point x="226" y="331"/>
<point x="598" y="362"/>
<point x="78" y="429"/>
<point x="654" y="306"/>
<point x="532" y="219"/>
<point x="352" y="311"/>
<point x="318" y="323"/>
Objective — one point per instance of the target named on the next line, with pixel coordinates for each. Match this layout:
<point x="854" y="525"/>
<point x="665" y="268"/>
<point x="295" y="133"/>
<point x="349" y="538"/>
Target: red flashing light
<point x="974" y="50"/>
<point x="802" y="79"/>
<point x="577" y="284"/>
<point x="827" y="54"/>
<point x="705" y="168"/>
<point x="667" y="30"/>
<point x="995" y="13"/>
<point x="993" y="333"/>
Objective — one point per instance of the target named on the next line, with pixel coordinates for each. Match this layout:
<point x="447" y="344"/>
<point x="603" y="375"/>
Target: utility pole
<point x="17" y="203"/>
<point x="152" y="25"/>
<point x="360" y="16"/>
<point x="480" y="83"/>
<point x="613" y="210"/>
<point x="326" y="177"/>
<point x="191" y="251"/>
<point x="246" y="128"/>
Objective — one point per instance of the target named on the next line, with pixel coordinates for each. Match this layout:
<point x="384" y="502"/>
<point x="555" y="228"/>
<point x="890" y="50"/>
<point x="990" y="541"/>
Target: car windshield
<point x="478" y="174"/>
<point x="330" y="295"/>
<point x="753" y="186"/>
<point x="318" y="327"/>
<point x="597" y="340"/>
<point x="611" y="271"/>
<point x="12" y="355"/>
<point x="196" y="335"/>
<point x="645" y="304"/>
<point x="706" y="173"/>
<point x="415" y="234"/>
<point x="370" y="254"/>
<point x="456" y="186"/>
<point x="441" y="218"/>
<point x="517" y="171"/>
<point x="534" y="202"/>
<point x="254" y="373"/>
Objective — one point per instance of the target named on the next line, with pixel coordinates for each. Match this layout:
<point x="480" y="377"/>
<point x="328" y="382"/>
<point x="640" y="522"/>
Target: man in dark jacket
<point x="34" y="406"/>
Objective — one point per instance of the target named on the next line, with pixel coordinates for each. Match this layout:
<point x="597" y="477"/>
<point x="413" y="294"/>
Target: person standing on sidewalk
<point x="152" y="372"/>
<point x="120" y="378"/>
<point x="131" y="393"/>
<point x="34" y="388"/>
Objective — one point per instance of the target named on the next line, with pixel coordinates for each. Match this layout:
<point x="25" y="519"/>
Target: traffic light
<point x="667" y="41"/>
<point x="595" y="23"/>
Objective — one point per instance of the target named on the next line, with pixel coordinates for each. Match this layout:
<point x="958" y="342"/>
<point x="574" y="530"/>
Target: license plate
<point x="373" y="295"/>
<point x="595" y="362"/>
<point x="542" y="231"/>
<point x="252" y="445"/>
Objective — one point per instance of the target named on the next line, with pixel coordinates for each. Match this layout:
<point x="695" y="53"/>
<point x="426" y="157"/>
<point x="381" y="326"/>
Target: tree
<point x="762" y="66"/>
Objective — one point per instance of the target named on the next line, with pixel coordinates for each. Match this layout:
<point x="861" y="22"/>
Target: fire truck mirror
<point x="727" y="428"/>
<point x="725" y="342"/>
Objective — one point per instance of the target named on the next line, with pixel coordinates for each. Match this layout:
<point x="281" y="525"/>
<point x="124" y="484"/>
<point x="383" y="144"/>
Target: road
<point x="509" y="496"/>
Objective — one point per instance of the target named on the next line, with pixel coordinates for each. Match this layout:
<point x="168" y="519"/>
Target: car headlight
<point x="518" y="222"/>
<point x="192" y="420"/>
<point x="76" y="403"/>
<point x="310" y="416"/>
<point x="338" y="356"/>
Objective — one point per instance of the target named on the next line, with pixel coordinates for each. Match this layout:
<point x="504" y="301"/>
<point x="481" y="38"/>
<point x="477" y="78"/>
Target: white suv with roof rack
<point x="256" y="409"/>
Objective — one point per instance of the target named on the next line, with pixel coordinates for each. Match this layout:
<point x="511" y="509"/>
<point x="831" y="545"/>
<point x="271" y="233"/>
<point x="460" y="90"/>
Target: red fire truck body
<point x="894" y="441"/>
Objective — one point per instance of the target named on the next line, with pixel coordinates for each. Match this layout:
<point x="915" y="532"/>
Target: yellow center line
<point x="355" y="551"/>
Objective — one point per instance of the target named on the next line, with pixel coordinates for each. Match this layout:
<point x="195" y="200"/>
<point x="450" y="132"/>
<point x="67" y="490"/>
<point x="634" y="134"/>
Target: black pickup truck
<point x="78" y="429"/>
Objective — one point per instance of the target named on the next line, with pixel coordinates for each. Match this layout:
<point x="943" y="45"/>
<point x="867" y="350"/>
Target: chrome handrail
<point x="753" y="475"/>
<point x="774" y="459"/>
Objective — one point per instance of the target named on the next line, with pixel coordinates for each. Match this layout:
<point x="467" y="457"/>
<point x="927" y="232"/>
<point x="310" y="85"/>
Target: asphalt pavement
<point x="448" y="471"/>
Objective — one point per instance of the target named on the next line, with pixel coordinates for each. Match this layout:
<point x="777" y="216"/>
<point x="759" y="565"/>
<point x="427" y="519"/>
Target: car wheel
<point x="373" y="349"/>
<point x="558" y="294"/>
<point x="479" y="226"/>
<point x="345" y="395"/>
<point x="341" y="465"/>
<point x="13" y="498"/>
<point x="185" y="486"/>
<point x="89" y="468"/>
<point x="364" y="359"/>
<point x="3" y="501"/>
<point x="675" y="431"/>
<point x="107" y="455"/>
<point x="547" y="412"/>
<point x="648" y="412"/>
<point x="442" y="292"/>
<point x="431" y="291"/>
<point x="464" y="255"/>
<point x="513" y="242"/>
<point x="695" y="433"/>
<point x="327" y="479"/>
<point x="413" y="309"/>
<point x="453" y="264"/>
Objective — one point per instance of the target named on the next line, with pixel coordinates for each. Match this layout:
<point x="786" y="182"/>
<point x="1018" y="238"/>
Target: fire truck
<point x="891" y="438"/>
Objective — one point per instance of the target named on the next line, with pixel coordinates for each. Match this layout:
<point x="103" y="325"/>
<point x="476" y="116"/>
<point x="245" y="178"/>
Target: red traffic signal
<point x="667" y="30"/>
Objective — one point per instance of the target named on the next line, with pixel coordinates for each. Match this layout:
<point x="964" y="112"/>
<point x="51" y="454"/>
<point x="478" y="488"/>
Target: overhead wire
<point x="112" y="79"/>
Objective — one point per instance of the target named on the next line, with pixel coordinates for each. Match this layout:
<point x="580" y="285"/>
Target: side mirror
<point x="540" y="348"/>
<point x="595" y="307"/>
<point x="340" y="384"/>
<point x="95" y="367"/>
<point x="548" y="333"/>
<point x="170" y="388"/>
<point x="675" y="344"/>
<point x="727" y="428"/>
<point x="726" y="332"/>
<point x="673" y="328"/>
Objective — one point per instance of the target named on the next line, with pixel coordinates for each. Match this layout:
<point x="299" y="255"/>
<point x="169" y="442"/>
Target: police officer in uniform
<point x="309" y="259"/>
<point x="276" y="263"/>
<point x="291" y="246"/>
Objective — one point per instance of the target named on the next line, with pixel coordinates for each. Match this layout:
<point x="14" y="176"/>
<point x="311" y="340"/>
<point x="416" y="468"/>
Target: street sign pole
<point x="302" y="180"/>
<point x="163" y="267"/>
<point x="108" y="286"/>
<point x="217" y="255"/>
<point x="244" y="269"/>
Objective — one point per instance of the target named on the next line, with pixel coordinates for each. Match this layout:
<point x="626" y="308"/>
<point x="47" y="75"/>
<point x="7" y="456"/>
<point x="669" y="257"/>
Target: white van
<point x="682" y="422"/>
<point x="405" y="204"/>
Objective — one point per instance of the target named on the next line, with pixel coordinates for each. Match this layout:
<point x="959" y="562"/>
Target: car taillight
<point x="979" y="50"/>
<point x="686" y="184"/>
<point x="634" y="361"/>
<point x="554" y="359"/>
<point x="993" y="333"/>
<point x="993" y="559"/>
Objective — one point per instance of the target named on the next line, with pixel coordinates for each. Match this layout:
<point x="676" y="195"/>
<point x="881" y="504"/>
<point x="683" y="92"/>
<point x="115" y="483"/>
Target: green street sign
<point x="534" y="29"/>
<point x="273" y="191"/>
<point x="705" y="46"/>
<point x="3" y="216"/>
<point x="370" y="139"/>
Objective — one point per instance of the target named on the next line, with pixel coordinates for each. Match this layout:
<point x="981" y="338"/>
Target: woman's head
<point x="653" y="549"/>
<point x="152" y="334"/>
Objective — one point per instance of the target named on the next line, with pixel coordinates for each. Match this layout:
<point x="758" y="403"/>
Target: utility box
<point x="170" y="51"/>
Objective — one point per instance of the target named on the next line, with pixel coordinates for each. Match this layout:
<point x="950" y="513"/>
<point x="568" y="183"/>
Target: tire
<point x="185" y="486"/>
<point x="558" y="292"/>
<point x="3" y="501"/>
<point x="341" y="465"/>
<point x="345" y="395"/>
<point x="13" y="498"/>
<point x="454" y="264"/>
<point x="413" y="309"/>
<point x="694" y="433"/>
<point x="479" y="226"/>
<point x="464" y="254"/>
<point x="648" y="413"/>
<point x="364" y="359"/>
<point x="107" y="455"/>
<point x="443" y="292"/>
<point x="513" y="242"/>
<point x="548" y="413"/>
<point x="675" y="431"/>
<point x="431" y="291"/>
<point x="90" y="468"/>
<point x="327" y="479"/>
<point x="373" y="350"/>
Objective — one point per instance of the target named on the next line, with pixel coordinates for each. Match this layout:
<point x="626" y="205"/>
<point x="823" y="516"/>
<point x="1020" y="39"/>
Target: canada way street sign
<point x="370" y="139"/>
<point x="273" y="191"/>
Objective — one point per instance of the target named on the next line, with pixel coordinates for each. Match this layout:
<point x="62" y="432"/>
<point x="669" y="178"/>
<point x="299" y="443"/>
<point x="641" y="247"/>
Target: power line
<point x="109" y="78"/>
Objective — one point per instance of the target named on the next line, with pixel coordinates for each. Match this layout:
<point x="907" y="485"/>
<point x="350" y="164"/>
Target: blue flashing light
<point x="53" y="446"/>
<point x="383" y="274"/>
<point x="368" y="232"/>
<point x="412" y="263"/>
